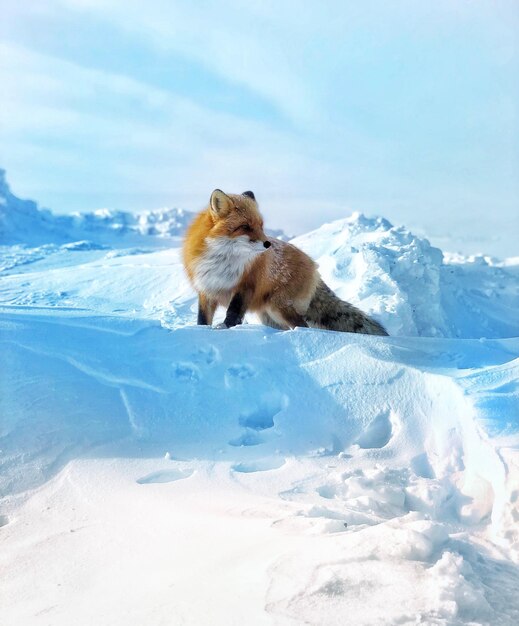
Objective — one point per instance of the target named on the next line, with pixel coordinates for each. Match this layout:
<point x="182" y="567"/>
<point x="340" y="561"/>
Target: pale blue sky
<point x="405" y="108"/>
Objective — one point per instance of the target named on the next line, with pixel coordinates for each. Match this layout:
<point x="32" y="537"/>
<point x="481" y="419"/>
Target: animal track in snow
<point x="378" y="433"/>
<point x="259" y="420"/>
<point x="237" y="373"/>
<point x="262" y="417"/>
<point x="258" y="465"/>
<point x="186" y="372"/>
<point x="165" y="476"/>
<point x="207" y="355"/>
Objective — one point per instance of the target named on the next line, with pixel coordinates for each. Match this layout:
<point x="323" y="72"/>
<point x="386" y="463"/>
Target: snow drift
<point x="393" y="471"/>
<point x="152" y="471"/>
<point x="23" y="222"/>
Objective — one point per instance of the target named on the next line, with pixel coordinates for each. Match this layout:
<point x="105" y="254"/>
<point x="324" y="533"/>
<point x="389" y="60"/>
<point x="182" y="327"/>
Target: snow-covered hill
<point x="23" y="222"/>
<point x="414" y="288"/>
<point x="155" y="472"/>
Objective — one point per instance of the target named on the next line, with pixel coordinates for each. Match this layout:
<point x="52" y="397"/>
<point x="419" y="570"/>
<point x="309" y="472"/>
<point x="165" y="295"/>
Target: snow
<point x="156" y="472"/>
<point x="413" y="287"/>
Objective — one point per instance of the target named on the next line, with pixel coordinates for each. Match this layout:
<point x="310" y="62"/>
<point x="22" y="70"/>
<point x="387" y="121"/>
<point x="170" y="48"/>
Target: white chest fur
<point x="223" y="263"/>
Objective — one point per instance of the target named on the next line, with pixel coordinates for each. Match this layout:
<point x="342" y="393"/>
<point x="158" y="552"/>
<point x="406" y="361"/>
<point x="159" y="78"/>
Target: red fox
<point x="231" y="262"/>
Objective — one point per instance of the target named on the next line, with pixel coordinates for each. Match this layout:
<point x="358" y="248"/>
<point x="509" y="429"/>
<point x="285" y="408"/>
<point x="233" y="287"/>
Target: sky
<point x="407" y="109"/>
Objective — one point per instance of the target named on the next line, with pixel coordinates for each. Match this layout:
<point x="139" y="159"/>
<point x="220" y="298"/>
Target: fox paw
<point x="220" y="326"/>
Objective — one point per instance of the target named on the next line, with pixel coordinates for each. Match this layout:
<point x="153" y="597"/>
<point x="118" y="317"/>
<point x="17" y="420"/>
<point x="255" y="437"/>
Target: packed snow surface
<point x="156" y="472"/>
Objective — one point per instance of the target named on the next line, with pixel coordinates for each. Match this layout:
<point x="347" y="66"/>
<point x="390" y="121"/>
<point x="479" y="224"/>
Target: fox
<point x="231" y="262"/>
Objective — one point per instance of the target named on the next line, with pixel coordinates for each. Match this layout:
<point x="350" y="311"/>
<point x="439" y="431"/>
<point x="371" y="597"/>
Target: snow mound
<point x="409" y="285"/>
<point x="23" y="222"/>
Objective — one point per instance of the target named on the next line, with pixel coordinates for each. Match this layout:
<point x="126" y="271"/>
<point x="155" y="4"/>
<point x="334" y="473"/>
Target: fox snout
<point x="260" y="244"/>
<point x="260" y="238"/>
<point x="265" y="243"/>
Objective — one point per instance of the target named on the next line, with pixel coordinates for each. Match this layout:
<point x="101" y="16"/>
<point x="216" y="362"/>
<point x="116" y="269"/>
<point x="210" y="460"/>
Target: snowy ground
<point x="153" y="472"/>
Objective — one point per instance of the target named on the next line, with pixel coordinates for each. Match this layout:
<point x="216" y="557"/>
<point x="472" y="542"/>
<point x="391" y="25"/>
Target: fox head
<point x="237" y="219"/>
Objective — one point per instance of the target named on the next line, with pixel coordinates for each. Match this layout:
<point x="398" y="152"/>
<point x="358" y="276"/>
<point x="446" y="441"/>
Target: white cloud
<point x="123" y="134"/>
<point x="383" y="105"/>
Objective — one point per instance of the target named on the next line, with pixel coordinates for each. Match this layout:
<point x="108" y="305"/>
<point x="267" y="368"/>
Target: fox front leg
<point x="206" y="309"/>
<point x="236" y="311"/>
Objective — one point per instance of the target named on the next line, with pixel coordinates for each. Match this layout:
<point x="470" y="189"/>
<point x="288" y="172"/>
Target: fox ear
<point x="220" y="203"/>
<point x="249" y="194"/>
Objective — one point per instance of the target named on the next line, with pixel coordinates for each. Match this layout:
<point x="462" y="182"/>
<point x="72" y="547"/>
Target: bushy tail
<point x="328" y="311"/>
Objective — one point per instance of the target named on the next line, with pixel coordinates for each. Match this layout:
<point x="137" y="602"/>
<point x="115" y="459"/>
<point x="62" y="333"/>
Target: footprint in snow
<point x="259" y="420"/>
<point x="206" y="355"/>
<point x="262" y="416"/>
<point x="378" y="433"/>
<point x="186" y="372"/>
<point x="165" y="476"/>
<point x="237" y="373"/>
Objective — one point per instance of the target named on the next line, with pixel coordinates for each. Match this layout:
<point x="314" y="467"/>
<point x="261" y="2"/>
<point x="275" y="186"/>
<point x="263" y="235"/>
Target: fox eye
<point x="244" y="227"/>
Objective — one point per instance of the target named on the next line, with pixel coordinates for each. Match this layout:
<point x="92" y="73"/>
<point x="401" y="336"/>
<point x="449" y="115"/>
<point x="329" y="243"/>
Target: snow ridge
<point x="23" y="222"/>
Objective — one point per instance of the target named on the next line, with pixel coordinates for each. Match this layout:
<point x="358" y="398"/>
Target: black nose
<point x="267" y="244"/>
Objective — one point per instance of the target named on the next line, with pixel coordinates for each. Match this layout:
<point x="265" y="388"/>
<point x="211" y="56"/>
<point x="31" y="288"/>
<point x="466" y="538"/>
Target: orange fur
<point x="231" y="263"/>
<point x="278" y="282"/>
